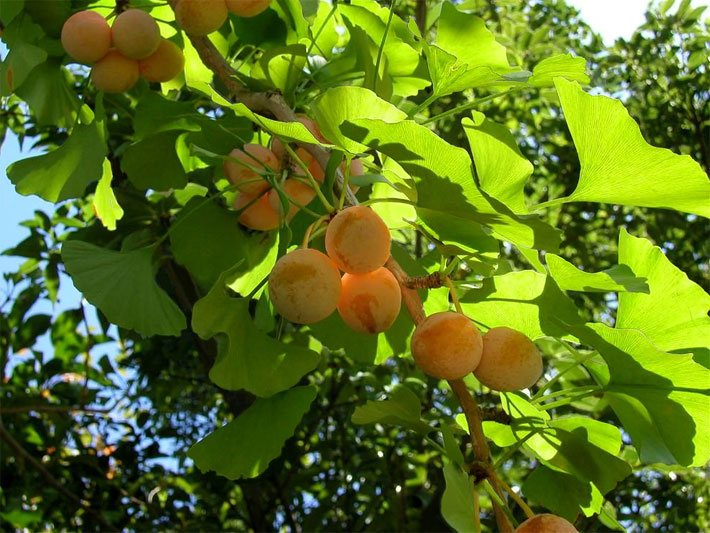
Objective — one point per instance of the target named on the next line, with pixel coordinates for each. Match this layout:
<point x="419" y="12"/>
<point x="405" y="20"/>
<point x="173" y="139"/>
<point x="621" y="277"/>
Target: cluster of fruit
<point x="201" y="17"/>
<point x="121" y="53"/>
<point x="305" y="285"/>
<point x="261" y="206"/>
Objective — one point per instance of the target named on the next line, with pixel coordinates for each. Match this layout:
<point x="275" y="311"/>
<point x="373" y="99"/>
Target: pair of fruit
<point x="449" y="346"/>
<point x="120" y="54"/>
<point x="201" y="17"/>
<point x="305" y="285"/>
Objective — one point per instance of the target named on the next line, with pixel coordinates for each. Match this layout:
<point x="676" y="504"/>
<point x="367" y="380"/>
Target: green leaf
<point x="245" y="447"/>
<point x="466" y="54"/>
<point x="105" y="204"/>
<point x="281" y="68"/>
<point x="525" y="300"/>
<point x="153" y="163"/>
<point x="342" y="104"/>
<point x="448" y="198"/>
<point x="66" y="171"/>
<point x="661" y="399"/>
<point x="457" y="501"/>
<point x="502" y="170"/>
<point x="619" y="278"/>
<point x="48" y="91"/>
<point x="206" y="239"/>
<point x="156" y="113"/>
<point x="18" y="64"/>
<point x="561" y="493"/>
<point x="248" y="358"/>
<point x="402" y="408"/>
<point x="562" y="65"/>
<point x="260" y="256"/>
<point x="618" y="166"/>
<point x="675" y="313"/>
<point x="122" y="286"/>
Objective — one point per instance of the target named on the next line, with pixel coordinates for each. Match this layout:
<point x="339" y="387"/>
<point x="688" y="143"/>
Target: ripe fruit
<point x="200" y="17"/>
<point x="260" y="215"/>
<point x="510" y="361"/>
<point x="447" y="345"/>
<point x="246" y="172"/>
<point x="546" y="523"/>
<point x="313" y="166"/>
<point x="135" y="34"/>
<point x="301" y="194"/>
<point x="304" y="286"/>
<point x="369" y="303"/>
<point x="115" y="73"/>
<point x="86" y="36"/>
<point x="358" y="240"/>
<point x="164" y="64"/>
<point x="247" y="8"/>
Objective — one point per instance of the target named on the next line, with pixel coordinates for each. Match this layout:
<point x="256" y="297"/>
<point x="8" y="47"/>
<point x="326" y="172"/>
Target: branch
<point x="24" y="454"/>
<point x="274" y="104"/>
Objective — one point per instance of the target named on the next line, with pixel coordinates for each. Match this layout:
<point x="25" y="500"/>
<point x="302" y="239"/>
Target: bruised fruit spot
<point x="362" y="304"/>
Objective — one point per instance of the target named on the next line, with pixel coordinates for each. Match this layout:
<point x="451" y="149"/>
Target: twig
<point x="24" y="454"/>
<point x="432" y="281"/>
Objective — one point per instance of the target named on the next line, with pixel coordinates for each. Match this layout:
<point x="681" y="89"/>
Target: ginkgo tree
<point x="160" y="245"/>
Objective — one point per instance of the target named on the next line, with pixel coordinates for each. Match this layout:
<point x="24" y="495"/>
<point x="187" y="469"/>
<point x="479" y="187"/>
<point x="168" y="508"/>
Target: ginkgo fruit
<point x="299" y="194"/>
<point x="115" y="73"/>
<point x="510" y="360"/>
<point x="200" y="17"/>
<point x="135" y="34"/>
<point x="247" y="8"/>
<point x="358" y="240"/>
<point x="447" y="345"/>
<point x="304" y="286"/>
<point x="546" y="523"/>
<point x="246" y="168"/>
<point x="311" y="163"/>
<point x="258" y="213"/>
<point x="164" y="64"/>
<point x="86" y="36"/>
<point x="369" y="303"/>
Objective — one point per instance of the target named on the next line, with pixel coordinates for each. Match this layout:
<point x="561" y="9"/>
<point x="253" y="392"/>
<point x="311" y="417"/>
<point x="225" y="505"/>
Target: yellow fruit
<point x="510" y="361"/>
<point x="313" y="166"/>
<point x="135" y="34"/>
<point x="447" y="345"/>
<point x="115" y="73"/>
<point x="358" y="240"/>
<point x="86" y="36"/>
<point x="247" y="8"/>
<point x="369" y="303"/>
<point x="259" y="215"/>
<point x="304" y="286"/>
<point x="251" y="164"/>
<point x="546" y="523"/>
<point x="200" y="17"/>
<point x="164" y="64"/>
<point x="301" y="193"/>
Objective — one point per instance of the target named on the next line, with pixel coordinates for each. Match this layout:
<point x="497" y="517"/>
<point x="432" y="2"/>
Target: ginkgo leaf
<point x="674" y="315"/>
<point x="105" y="204"/>
<point x="501" y="168"/>
<point x="562" y="65"/>
<point x="122" y="286"/>
<point x="618" y="166"/>
<point x="457" y="505"/>
<point x="248" y="358"/>
<point x="619" y="278"/>
<point x="66" y="171"/>
<point x="402" y="408"/>
<point x="245" y="447"/>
